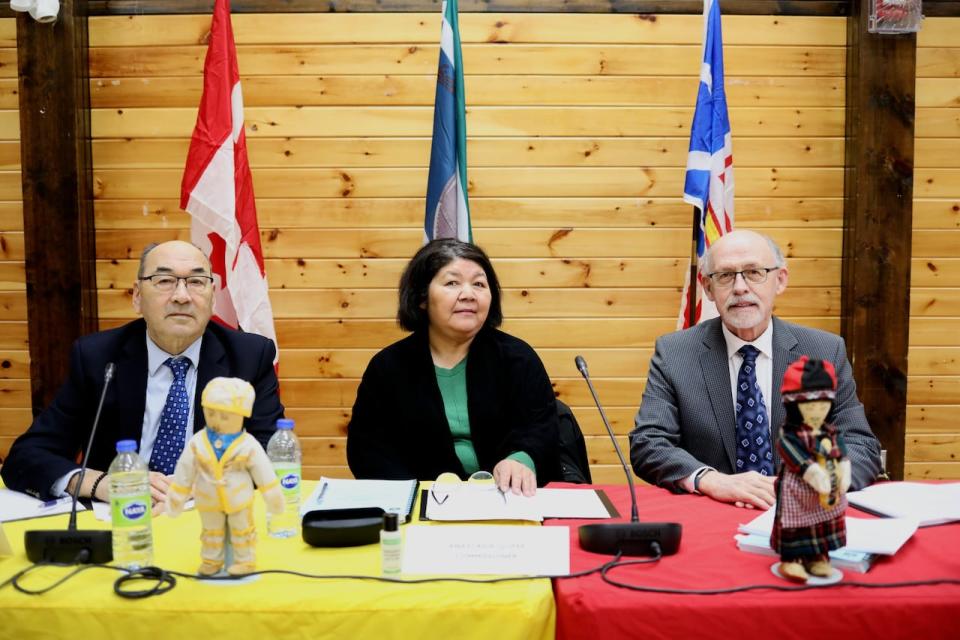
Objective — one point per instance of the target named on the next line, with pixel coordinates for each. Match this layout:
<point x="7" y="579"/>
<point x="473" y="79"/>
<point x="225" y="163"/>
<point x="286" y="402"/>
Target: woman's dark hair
<point x="425" y="264"/>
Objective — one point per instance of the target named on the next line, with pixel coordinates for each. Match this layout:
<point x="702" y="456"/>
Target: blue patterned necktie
<point x="173" y="420"/>
<point x="753" y="433"/>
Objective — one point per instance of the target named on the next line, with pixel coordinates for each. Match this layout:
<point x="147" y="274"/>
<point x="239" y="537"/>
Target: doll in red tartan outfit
<point x="814" y="477"/>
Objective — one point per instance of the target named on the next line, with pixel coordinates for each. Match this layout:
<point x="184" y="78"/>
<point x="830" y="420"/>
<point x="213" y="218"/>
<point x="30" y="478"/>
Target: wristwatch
<point x="700" y="474"/>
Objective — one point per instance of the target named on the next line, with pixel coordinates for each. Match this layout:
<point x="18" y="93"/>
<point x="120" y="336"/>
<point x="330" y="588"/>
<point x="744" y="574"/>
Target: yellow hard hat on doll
<point x="232" y="395"/>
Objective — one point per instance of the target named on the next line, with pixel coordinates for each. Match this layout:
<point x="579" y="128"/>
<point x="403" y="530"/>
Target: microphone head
<point x="108" y="372"/>
<point x="581" y="365"/>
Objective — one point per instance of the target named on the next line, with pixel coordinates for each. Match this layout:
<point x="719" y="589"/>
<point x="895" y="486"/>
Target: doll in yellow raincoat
<point x="219" y="466"/>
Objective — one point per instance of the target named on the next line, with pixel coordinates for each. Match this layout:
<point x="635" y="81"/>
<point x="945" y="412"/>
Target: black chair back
<point x="574" y="464"/>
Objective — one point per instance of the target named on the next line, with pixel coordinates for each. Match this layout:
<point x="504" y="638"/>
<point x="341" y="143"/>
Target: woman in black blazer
<point x="457" y="395"/>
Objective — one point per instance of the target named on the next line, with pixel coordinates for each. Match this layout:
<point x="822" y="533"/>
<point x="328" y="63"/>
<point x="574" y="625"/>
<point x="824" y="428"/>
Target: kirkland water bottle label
<point x="133" y="511"/>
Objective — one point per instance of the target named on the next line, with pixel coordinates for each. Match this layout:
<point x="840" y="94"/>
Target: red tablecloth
<point x="709" y="558"/>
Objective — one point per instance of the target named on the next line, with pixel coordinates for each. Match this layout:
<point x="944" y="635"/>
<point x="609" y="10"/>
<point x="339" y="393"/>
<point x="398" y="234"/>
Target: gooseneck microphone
<point x="74" y="546"/>
<point x="634" y="538"/>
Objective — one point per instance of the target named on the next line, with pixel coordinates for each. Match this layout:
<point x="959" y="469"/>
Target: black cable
<point x="15" y="579"/>
<point x="314" y="576"/>
<point x="165" y="581"/>
<point x="604" y="574"/>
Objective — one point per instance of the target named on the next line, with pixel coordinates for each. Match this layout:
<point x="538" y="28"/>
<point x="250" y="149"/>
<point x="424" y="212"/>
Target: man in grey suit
<point x="686" y="431"/>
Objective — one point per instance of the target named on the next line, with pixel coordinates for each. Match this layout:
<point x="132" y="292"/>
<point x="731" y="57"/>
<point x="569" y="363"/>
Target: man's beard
<point x="743" y="317"/>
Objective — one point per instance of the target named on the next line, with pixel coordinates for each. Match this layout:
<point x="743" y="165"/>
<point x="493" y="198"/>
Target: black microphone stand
<point x="633" y="538"/>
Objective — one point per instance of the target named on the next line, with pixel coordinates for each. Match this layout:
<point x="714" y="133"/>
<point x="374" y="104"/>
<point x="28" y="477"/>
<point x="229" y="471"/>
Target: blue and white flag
<point x="448" y="211"/>
<point x="709" y="179"/>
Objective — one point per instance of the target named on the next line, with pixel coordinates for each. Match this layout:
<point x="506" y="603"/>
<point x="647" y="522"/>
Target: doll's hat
<point x="808" y="379"/>
<point x="232" y="395"/>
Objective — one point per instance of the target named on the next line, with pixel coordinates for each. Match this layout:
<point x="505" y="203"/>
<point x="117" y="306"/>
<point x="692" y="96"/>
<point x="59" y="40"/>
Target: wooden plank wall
<point x="933" y="391"/>
<point x="15" y="414"/>
<point x="578" y="131"/>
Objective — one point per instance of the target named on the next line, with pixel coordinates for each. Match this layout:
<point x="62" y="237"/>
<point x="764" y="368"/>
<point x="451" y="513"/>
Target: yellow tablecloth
<point x="269" y="606"/>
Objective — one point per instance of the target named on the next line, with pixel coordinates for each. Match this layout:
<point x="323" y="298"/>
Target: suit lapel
<point x="785" y="346"/>
<point x="213" y="363"/>
<point x="716" y="376"/>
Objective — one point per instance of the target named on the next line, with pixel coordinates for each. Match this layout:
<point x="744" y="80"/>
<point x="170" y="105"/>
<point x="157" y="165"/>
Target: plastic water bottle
<point x="284" y="452"/>
<point x="130" y="508"/>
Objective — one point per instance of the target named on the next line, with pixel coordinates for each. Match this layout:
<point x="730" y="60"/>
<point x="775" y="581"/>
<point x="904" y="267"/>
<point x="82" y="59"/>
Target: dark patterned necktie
<point x="173" y="420"/>
<point x="753" y="433"/>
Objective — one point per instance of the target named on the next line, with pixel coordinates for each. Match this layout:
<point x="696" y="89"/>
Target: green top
<point x="453" y="390"/>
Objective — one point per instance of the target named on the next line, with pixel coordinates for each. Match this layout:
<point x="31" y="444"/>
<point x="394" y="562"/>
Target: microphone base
<point x="631" y="538"/>
<point x="69" y="547"/>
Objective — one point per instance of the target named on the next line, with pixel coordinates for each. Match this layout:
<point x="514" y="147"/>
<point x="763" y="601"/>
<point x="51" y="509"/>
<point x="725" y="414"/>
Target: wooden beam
<point x="57" y="204"/>
<point x="646" y="7"/>
<point x="878" y="218"/>
<point x="941" y="8"/>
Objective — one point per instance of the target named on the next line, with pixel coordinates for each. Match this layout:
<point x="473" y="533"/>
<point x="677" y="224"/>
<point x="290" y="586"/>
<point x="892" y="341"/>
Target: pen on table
<point x="48" y="503"/>
<point x="323" y="490"/>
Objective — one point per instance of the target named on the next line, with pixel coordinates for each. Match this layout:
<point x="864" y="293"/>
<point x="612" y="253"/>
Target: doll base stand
<point x="813" y="581"/>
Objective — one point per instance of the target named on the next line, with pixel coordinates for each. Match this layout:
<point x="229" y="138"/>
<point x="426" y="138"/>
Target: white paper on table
<point x="929" y="504"/>
<point x="570" y="503"/>
<point x="481" y="502"/>
<point x="486" y="549"/>
<point x="19" y="506"/>
<point x="879" y="535"/>
<point x="485" y="502"/>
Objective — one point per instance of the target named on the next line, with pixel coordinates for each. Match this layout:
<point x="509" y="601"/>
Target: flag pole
<point x="692" y="289"/>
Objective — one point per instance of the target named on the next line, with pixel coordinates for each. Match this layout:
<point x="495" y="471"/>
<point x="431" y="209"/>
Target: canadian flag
<point x="217" y="190"/>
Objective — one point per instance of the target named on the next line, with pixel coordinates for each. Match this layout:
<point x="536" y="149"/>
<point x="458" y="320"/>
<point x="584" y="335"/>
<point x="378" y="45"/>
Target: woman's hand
<point x="511" y="475"/>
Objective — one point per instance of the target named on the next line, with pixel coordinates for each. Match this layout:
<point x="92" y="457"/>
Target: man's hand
<point x="749" y="489"/>
<point x="511" y="475"/>
<point x="159" y="485"/>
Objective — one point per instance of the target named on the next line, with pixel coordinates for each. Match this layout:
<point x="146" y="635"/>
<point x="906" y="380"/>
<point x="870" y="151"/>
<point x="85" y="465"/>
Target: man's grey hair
<point x="706" y="262"/>
<point x="143" y="258"/>
<point x="153" y="245"/>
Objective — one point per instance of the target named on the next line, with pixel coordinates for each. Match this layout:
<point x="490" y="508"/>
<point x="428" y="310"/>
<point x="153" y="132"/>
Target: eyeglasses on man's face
<point x="167" y="283"/>
<point x="757" y="275"/>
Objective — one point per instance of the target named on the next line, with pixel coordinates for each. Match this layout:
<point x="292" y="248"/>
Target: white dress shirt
<point x="159" y="379"/>
<point x="764" y="371"/>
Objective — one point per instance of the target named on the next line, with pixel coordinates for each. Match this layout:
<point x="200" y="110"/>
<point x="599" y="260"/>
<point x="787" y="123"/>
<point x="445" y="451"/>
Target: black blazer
<point x="50" y="448"/>
<point x="399" y="429"/>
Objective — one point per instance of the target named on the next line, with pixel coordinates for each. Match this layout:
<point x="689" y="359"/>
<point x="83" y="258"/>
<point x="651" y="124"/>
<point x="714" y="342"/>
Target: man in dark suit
<point x="687" y="435"/>
<point x="174" y="293"/>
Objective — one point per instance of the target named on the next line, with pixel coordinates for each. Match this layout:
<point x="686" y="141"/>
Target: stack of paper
<point x="866" y="538"/>
<point x="859" y="561"/>
<point x="929" y="504"/>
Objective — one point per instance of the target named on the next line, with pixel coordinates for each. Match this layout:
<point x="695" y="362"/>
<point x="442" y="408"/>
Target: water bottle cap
<point x="284" y="423"/>
<point x="126" y="446"/>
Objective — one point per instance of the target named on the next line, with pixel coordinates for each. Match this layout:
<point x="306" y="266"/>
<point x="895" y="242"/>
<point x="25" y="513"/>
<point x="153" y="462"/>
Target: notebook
<point x="929" y="504"/>
<point x="393" y="496"/>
